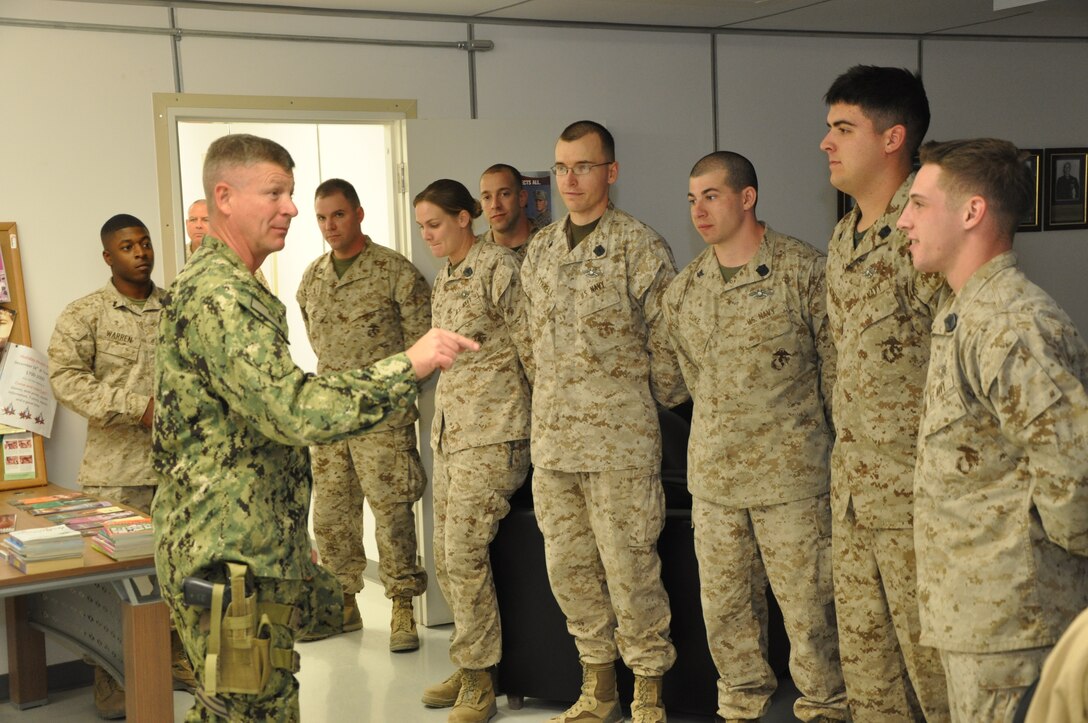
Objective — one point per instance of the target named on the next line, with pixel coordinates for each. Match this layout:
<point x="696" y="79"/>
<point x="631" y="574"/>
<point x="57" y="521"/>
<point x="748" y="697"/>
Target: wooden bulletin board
<point x="13" y="266"/>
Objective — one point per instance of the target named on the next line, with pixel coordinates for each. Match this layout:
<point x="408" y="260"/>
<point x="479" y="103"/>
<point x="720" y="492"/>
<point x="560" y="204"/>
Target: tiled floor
<point x="354" y="677"/>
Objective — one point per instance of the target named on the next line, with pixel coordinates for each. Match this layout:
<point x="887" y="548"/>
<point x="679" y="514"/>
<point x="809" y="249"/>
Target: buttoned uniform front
<point x="1001" y="493"/>
<point x="380" y="306"/>
<point x="879" y="309"/>
<point x="233" y="418"/>
<point x="756" y="355"/>
<point x="602" y="358"/>
<point x="480" y="437"/>
<point x="520" y="251"/>
<point x="101" y="366"/>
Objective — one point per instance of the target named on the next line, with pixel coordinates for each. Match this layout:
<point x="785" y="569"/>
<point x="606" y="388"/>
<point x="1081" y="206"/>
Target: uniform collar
<point x="883" y="229"/>
<point x="947" y="318"/>
<point x="596" y="244"/>
<point x="759" y="268"/>
<point x="119" y="300"/>
<point x="467" y="268"/>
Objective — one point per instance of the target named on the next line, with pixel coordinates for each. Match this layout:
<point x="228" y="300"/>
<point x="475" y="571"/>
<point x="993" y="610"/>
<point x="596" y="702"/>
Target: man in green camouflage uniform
<point x="595" y="282"/>
<point x="231" y="428"/>
<point x="101" y="366"/>
<point x="503" y="199"/>
<point x="748" y="320"/>
<point x="362" y="302"/>
<point x="1001" y="487"/>
<point x="879" y="309"/>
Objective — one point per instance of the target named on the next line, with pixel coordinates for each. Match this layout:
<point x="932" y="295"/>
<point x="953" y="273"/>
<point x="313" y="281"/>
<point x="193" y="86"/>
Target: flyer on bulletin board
<point x="26" y="399"/>
<point x="19" y="456"/>
<point x="5" y="293"/>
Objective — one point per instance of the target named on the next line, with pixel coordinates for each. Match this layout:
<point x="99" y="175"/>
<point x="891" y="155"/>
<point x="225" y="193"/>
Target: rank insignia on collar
<point x="762" y="270"/>
<point x="699" y="273"/>
<point x="884" y="232"/>
<point x="598" y="250"/>
<point x="950" y="322"/>
<point x="592" y="272"/>
<point x="467" y="272"/>
<point x="761" y="293"/>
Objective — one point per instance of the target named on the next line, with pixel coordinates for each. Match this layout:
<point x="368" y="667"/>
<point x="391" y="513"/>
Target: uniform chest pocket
<point x="461" y="308"/>
<point x="603" y="319"/>
<point x="880" y="303"/>
<point x="942" y="411"/>
<point x="121" y="351"/>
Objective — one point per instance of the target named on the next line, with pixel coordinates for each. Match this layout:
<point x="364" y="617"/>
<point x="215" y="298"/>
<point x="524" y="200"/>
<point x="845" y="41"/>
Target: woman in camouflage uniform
<point x="480" y="435"/>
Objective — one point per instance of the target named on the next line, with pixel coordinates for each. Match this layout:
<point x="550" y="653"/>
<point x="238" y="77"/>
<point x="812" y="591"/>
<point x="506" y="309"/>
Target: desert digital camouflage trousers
<point x="989" y="686"/>
<point x="472" y="490"/>
<point x="890" y="676"/>
<point x="320" y="604"/>
<point x="383" y="468"/>
<point x="600" y="543"/>
<point x="793" y="539"/>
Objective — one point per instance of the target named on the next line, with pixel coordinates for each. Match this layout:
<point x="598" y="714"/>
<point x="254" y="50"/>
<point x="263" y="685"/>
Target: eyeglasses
<point x="579" y="169"/>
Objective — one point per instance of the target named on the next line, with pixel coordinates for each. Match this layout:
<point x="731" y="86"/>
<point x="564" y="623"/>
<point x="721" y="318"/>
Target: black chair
<point x="539" y="657"/>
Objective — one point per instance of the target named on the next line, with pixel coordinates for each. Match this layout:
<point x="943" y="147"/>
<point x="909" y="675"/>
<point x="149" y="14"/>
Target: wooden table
<point x="121" y="598"/>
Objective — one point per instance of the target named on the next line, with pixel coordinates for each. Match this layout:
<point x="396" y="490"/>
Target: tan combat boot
<point x="444" y="694"/>
<point x="402" y="628"/>
<point x="109" y="696"/>
<point x="647" y="706"/>
<point x="353" y="620"/>
<point x="599" y="702"/>
<point x="476" y="701"/>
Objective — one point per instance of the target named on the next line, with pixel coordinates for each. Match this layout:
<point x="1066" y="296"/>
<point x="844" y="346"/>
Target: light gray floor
<point x="354" y="677"/>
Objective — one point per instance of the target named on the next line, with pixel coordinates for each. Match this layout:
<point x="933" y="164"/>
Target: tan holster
<point x="240" y="654"/>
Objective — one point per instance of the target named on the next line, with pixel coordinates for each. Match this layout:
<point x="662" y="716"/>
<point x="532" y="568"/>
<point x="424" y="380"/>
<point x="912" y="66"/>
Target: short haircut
<point x="515" y="174"/>
<point x="582" y="128"/>
<point x="450" y="196"/>
<point x="888" y="97"/>
<point x="333" y="186"/>
<point x="988" y="167"/>
<point x="241" y="149"/>
<point x="118" y="222"/>
<point x="739" y="171"/>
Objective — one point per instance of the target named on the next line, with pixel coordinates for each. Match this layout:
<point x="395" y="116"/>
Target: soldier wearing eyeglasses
<point x="595" y="282"/>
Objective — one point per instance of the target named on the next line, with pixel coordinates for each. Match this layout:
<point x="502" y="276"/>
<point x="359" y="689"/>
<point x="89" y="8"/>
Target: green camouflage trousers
<point x="600" y="544"/>
<point x="890" y="676"/>
<point x="320" y="602"/>
<point x="472" y="490"/>
<point x="383" y="468"/>
<point x="989" y="686"/>
<point x="793" y="541"/>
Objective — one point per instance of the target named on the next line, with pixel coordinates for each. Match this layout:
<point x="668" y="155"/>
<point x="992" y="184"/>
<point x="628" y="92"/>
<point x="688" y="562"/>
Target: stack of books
<point x="125" y="539"/>
<point x="44" y="549"/>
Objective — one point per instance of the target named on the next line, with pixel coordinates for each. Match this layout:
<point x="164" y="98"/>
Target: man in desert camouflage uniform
<point x="233" y="419"/>
<point x="748" y="321"/>
<point x="503" y="199"/>
<point x="595" y="282"/>
<point x="1001" y="487"/>
<point x="879" y="309"/>
<point x="362" y="302"/>
<point x="101" y="366"/>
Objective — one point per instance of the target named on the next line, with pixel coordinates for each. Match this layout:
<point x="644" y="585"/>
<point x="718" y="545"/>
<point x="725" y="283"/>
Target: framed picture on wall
<point x="1033" y="219"/>
<point x="1065" y="206"/>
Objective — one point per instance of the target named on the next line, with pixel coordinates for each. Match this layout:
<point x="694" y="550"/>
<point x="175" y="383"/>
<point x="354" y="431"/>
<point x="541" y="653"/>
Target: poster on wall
<point x="539" y="186"/>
